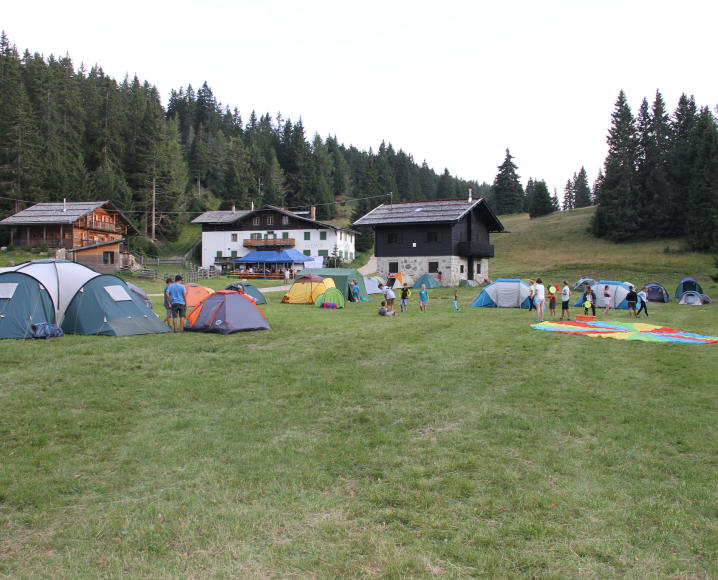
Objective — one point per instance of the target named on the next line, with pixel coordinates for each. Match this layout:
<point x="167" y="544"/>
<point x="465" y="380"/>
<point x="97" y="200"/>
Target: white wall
<point x="212" y="242"/>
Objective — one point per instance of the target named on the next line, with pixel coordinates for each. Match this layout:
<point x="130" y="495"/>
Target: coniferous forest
<point x="80" y="135"/>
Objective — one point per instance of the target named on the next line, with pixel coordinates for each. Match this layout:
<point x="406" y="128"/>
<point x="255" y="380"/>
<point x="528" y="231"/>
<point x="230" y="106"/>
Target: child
<point x="456" y="301"/>
<point x="552" y="300"/>
<point x="168" y="305"/>
<point x="423" y="298"/>
<point x="642" y="297"/>
<point x="404" y="301"/>
<point x="589" y="296"/>
<point x="382" y="310"/>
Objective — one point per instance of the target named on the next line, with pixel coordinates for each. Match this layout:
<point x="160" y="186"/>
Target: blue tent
<point x="504" y="293"/>
<point x="617" y="295"/>
<point x="686" y="285"/>
<point x="656" y="293"/>
<point x="290" y="256"/>
<point x="24" y="301"/>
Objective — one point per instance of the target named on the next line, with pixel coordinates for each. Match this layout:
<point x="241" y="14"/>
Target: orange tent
<point x="196" y="293"/>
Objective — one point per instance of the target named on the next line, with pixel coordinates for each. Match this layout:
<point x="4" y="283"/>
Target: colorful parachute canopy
<point x="625" y="331"/>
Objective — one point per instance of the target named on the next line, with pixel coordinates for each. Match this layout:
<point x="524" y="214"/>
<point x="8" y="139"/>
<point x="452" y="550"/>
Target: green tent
<point x="249" y="290"/>
<point x="341" y="277"/>
<point x="24" y="301"/>
<point x="428" y="280"/>
<point x="105" y="305"/>
<point x="332" y="295"/>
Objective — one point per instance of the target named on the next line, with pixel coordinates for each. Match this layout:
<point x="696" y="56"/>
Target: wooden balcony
<point x="270" y="243"/>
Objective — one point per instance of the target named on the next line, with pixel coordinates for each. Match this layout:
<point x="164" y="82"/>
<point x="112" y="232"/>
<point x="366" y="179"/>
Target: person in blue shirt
<point x="176" y="295"/>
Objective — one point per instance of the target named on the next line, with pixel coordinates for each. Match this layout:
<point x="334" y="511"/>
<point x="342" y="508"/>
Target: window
<point x="285" y="235"/>
<point x="341" y="236"/>
<point x="324" y="253"/>
<point x="478" y="267"/>
<point x="432" y="237"/>
<point x="322" y="235"/>
<point x="307" y="235"/>
<point x="393" y="267"/>
<point x="256" y="221"/>
<point x="255" y="236"/>
<point x="219" y="254"/>
<point x="270" y="220"/>
<point x="433" y="267"/>
<point x="108" y="257"/>
<point x="234" y="237"/>
<point x="285" y="220"/>
<point x="118" y="293"/>
<point x="461" y="269"/>
<point x="234" y="253"/>
<point x="307" y="252"/>
<point x="392" y="238"/>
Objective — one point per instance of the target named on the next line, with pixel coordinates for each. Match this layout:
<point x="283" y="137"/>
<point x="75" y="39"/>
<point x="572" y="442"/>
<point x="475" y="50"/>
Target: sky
<point x="453" y="83"/>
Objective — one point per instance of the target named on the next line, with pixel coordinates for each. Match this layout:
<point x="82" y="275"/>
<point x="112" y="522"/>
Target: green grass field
<point x="341" y="444"/>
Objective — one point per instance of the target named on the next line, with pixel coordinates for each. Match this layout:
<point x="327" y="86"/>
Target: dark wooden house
<point x="94" y="233"/>
<point x="450" y="236"/>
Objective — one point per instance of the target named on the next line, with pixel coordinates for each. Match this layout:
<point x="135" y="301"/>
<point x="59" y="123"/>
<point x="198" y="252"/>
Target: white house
<point x="231" y="234"/>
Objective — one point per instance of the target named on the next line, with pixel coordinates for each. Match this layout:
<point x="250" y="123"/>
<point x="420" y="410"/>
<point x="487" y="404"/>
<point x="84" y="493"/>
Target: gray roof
<point x="431" y="211"/>
<point x="220" y="217"/>
<point x="69" y="212"/>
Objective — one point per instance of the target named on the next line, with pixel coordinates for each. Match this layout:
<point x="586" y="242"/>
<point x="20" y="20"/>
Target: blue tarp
<point x="270" y="257"/>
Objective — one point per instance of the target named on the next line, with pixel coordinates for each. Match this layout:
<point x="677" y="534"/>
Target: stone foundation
<point x="453" y="268"/>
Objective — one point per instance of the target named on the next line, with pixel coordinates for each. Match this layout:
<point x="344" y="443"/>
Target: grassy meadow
<point x="341" y="444"/>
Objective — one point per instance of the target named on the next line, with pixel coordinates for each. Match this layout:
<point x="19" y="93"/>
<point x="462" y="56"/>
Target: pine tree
<point x="368" y="193"/>
<point x="679" y="164"/>
<point x="554" y="201"/>
<point x="616" y="217"/>
<point x="581" y="191"/>
<point x="569" y="199"/>
<point x="507" y="192"/>
<point x="540" y="200"/>
<point x="702" y="202"/>
<point x="529" y="194"/>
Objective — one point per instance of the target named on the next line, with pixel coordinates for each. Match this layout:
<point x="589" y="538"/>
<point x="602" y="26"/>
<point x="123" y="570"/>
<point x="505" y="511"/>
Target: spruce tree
<point x="528" y="194"/>
<point x="540" y="200"/>
<point x="569" y="199"/>
<point x="679" y="164"/>
<point x="581" y="191"/>
<point x="616" y="217"/>
<point x="507" y="192"/>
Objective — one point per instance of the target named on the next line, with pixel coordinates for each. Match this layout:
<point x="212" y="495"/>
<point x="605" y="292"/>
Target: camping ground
<point x="344" y="444"/>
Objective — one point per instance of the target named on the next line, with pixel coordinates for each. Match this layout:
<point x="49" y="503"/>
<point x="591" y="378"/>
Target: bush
<point x="144" y="247"/>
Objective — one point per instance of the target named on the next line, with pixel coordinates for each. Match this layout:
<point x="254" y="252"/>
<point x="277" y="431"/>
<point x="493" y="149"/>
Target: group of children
<point x="537" y="299"/>
<point x="387" y="305"/>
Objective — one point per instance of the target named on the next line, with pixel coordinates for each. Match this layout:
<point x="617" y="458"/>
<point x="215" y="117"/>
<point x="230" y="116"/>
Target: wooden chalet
<point x="450" y="236"/>
<point x="93" y="233"/>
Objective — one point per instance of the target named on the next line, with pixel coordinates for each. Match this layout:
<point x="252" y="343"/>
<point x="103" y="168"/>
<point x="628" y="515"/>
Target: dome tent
<point x="306" y="289"/>
<point x="196" y="293"/>
<point x="225" y="312"/>
<point x="341" y="278"/>
<point x="688" y="284"/>
<point x="656" y="293"/>
<point x="250" y="290"/>
<point x="428" y="280"/>
<point x="106" y="305"/>
<point x="23" y="302"/>
<point x="693" y="298"/>
<point x="332" y="296"/>
<point x="618" y="292"/>
<point x="504" y="293"/>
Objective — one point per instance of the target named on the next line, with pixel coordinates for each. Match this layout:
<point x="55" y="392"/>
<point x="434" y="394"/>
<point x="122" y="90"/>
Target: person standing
<point x="590" y="297"/>
<point x="643" y="306"/>
<point x="552" y="300"/>
<point x="177" y="294"/>
<point x="540" y="299"/>
<point x="565" y="300"/>
<point x="404" y="298"/>
<point x="286" y="275"/>
<point x="356" y="291"/>
<point x="168" y="304"/>
<point x="631" y="299"/>
<point x="456" y="300"/>
<point x="607" y="298"/>
<point x="532" y="293"/>
<point x="423" y="298"/>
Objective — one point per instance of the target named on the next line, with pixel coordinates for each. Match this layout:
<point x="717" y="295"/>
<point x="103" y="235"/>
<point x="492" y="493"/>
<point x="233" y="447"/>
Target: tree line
<point x="81" y="135"/>
<point x="660" y="177"/>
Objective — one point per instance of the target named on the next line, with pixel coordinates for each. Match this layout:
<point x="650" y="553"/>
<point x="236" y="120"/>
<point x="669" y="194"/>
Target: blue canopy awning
<point x="269" y="257"/>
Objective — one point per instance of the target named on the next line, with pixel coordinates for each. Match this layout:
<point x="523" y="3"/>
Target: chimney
<point x="64" y="204"/>
<point x="233" y="209"/>
<point x="313" y="212"/>
<point x="252" y="206"/>
<point x="469" y="195"/>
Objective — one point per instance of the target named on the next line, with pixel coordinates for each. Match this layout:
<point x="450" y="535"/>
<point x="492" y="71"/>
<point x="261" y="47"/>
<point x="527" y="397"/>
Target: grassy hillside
<point x="341" y="444"/>
<point x="560" y="245"/>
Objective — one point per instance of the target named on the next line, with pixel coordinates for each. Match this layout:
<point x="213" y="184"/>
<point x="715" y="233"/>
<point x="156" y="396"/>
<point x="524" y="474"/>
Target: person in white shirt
<point x="565" y="300"/>
<point x="539" y="299"/>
